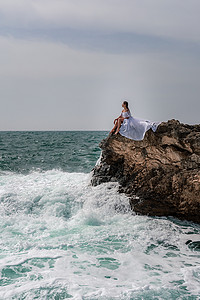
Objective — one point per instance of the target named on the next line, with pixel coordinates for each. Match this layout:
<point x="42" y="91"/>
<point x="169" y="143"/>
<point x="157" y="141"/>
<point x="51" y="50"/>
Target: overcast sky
<point x="69" y="64"/>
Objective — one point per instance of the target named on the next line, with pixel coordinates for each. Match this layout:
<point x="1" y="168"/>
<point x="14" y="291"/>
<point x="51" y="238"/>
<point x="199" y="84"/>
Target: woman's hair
<point x="126" y="104"/>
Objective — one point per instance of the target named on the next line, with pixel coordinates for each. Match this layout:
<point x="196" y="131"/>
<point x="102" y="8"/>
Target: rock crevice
<point x="161" y="173"/>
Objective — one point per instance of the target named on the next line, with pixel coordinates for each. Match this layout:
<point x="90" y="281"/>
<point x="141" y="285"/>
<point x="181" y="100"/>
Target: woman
<point x="130" y="127"/>
<point x="124" y="115"/>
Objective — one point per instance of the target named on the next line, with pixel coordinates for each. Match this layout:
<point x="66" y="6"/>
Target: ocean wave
<point x="62" y="237"/>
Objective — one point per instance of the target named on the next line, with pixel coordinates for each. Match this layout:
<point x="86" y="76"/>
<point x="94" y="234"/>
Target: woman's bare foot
<point x="117" y="132"/>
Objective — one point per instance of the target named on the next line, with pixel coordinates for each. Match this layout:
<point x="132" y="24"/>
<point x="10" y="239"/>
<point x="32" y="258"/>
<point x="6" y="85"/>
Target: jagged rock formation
<point x="161" y="173"/>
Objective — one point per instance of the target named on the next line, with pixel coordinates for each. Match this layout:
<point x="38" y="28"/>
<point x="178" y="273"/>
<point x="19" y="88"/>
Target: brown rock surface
<point x="161" y="173"/>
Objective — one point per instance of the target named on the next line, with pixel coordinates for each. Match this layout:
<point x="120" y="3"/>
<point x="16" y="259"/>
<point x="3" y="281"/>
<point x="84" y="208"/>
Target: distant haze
<point x="69" y="64"/>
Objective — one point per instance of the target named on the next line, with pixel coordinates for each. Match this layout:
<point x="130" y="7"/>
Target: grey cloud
<point x="103" y="41"/>
<point x="177" y="19"/>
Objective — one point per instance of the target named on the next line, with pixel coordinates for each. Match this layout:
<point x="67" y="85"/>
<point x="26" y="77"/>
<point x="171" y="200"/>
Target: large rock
<point x="161" y="173"/>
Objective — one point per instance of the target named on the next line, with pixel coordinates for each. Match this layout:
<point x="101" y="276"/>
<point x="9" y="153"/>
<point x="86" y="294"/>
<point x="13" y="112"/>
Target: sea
<point x="61" y="238"/>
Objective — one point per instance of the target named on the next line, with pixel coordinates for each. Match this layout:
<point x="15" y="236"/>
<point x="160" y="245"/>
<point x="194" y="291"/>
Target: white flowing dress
<point x="135" y="129"/>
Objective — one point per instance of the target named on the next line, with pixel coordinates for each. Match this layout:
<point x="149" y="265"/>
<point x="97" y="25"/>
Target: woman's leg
<point x="114" y="128"/>
<point x="119" y="123"/>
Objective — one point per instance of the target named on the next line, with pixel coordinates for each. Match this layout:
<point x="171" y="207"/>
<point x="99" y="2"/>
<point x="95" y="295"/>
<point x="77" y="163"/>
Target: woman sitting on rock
<point x="124" y="115"/>
<point x="130" y="127"/>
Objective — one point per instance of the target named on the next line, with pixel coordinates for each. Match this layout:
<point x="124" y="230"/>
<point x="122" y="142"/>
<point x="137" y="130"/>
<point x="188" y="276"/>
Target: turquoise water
<point x="61" y="238"/>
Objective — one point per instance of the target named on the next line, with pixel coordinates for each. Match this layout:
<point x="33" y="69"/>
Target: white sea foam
<point x="62" y="237"/>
